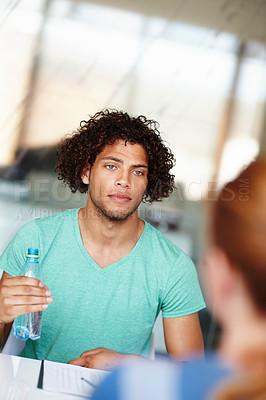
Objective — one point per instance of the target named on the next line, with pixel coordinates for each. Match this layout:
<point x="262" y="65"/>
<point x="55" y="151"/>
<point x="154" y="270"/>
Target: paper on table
<point x="66" y="378"/>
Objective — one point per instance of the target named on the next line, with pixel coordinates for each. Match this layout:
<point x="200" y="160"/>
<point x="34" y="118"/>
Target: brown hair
<point x="239" y="227"/>
<point x="80" y="150"/>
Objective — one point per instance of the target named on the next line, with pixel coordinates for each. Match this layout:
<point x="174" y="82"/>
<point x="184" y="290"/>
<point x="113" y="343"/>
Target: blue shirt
<point x="146" y="380"/>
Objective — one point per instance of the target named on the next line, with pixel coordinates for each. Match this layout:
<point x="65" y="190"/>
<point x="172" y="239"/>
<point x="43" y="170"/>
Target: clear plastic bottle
<point x="29" y="325"/>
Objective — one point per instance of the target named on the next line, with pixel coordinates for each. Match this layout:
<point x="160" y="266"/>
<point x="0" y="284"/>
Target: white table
<point x="19" y="379"/>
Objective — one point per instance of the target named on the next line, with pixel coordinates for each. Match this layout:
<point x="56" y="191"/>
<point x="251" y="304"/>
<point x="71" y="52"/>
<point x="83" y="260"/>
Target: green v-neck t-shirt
<point x="113" y="307"/>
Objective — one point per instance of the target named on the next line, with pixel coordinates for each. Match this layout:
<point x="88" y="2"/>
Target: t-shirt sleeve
<point x="14" y="256"/>
<point x="182" y="295"/>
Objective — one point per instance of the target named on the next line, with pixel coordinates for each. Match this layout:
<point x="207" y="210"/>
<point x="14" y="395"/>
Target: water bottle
<point x="29" y="325"/>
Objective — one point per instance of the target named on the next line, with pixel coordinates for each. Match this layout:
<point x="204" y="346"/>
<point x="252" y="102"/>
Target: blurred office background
<point x="198" y="67"/>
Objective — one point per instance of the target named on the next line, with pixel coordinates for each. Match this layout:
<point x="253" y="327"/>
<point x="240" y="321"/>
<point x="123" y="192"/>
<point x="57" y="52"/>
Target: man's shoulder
<point x="160" y="242"/>
<point x="49" y="222"/>
<point x="60" y="217"/>
<point x="154" y="233"/>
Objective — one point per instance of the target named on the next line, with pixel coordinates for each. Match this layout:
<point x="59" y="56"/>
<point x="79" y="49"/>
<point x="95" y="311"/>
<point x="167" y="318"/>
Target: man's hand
<point x="101" y="358"/>
<point x="21" y="295"/>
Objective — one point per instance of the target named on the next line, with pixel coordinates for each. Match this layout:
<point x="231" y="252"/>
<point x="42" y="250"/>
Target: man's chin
<point x="117" y="216"/>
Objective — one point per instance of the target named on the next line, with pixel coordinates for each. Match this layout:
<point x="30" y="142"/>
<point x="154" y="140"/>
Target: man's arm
<point x="183" y="336"/>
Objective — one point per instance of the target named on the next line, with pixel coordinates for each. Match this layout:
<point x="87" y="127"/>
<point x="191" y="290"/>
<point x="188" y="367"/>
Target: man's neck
<point x="100" y="231"/>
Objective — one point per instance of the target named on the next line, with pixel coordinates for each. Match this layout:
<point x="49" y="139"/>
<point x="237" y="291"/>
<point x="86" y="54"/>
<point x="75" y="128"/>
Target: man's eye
<point x="137" y="172"/>
<point x="110" y="166"/>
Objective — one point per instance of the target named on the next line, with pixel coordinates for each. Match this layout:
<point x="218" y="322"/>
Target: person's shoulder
<point x="56" y="218"/>
<point x="186" y="380"/>
<point x="205" y="373"/>
<point x="211" y="362"/>
<point x="167" y="247"/>
<point x="47" y="223"/>
<point x="159" y="237"/>
<point x="141" y="380"/>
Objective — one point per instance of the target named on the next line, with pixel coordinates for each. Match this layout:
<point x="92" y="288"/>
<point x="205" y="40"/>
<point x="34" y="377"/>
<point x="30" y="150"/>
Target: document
<point x="71" y="379"/>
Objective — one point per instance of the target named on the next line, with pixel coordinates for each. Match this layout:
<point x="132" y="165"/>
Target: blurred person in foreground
<point x="234" y="274"/>
<point x="108" y="271"/>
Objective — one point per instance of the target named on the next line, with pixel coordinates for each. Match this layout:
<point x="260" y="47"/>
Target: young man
<point x="110" y="273"/>
<point x="234" y="276"/>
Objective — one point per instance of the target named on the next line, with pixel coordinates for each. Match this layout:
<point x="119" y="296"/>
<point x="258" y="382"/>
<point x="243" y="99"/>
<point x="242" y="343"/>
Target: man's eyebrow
<point x="112" y="158"/>
<point x="140" y="166"/>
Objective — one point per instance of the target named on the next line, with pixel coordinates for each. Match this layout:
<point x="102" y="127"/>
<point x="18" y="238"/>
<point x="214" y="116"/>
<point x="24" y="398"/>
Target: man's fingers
<point x="93" y="351"/>
<point x="89" y="359"/>
<point x="20" y="290"/>
<point x="22" y="295"/>
<point x="23" y="280"/>
<point x="26" y="300"/>
<point x="15" y="311"/>
<point x="78" y="361"/>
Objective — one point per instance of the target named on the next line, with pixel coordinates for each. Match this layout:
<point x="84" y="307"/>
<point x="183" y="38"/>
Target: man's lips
<point x="120" y="197"/>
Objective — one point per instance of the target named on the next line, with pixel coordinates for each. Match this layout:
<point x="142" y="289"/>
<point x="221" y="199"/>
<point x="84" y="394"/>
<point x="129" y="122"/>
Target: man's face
<point x="118" y="179"/>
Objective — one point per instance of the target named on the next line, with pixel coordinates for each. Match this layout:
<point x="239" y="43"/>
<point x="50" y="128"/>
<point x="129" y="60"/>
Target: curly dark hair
<point x="80" y="150"/>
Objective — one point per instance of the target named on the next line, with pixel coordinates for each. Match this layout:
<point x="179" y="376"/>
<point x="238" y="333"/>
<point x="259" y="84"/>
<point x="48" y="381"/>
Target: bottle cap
<point x="33" y="253"/>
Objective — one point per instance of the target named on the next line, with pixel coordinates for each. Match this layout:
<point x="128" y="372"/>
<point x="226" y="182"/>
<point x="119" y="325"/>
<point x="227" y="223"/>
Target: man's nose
<point x="123" y="179"/>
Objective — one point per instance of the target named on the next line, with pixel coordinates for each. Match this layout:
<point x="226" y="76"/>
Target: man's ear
<point x="85" y="177"/>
